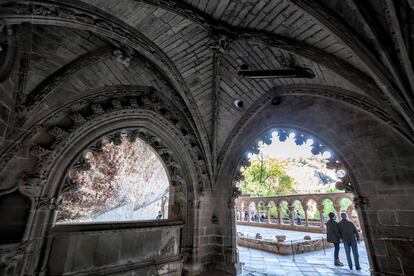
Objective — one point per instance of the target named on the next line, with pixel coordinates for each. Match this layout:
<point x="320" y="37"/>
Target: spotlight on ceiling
<point x="238" y="103"/>
<point x="294" y="72"/>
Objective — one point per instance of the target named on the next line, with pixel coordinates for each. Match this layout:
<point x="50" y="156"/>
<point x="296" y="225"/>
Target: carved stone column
<point x="320" y="209"/>
<point x="292" y="214"/>
<point x="267" y="214"/>
<point x="337" y="208"/>
<point x="279" y="216"/>
<point x="306" y="217"/>
<point x="349" y="211"/>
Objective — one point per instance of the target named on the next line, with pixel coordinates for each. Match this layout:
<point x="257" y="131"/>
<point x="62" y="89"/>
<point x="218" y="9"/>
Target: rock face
<point x="125" y="182"/>
<point x="311" y="174"/>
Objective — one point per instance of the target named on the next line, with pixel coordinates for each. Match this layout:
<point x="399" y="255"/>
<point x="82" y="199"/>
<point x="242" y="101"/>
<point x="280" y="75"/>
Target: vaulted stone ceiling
<point x="198" y="47"/>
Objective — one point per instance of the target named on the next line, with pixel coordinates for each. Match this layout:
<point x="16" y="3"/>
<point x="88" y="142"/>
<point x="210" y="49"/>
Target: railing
<point x="255" y="210"/>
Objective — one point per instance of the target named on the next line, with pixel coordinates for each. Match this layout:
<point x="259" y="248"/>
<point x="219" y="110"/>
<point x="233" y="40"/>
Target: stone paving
<point x="262" y="263"/>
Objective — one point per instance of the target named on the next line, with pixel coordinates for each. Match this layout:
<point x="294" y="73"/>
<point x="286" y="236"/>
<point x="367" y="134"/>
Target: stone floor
<point x="262" y="263"/>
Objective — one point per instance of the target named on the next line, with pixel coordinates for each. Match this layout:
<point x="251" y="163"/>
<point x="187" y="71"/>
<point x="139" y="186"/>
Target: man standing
<point x="349" y="236"/>
<point x="332" y="236"/>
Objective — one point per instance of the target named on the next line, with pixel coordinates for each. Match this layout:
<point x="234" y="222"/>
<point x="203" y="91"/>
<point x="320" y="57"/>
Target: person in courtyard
<point x="159" y="216"/>
<point x="246" y="216"/>
<point x="298" y="218"/>
<point x="333" y="236"/>
<point x="349" y="236"/>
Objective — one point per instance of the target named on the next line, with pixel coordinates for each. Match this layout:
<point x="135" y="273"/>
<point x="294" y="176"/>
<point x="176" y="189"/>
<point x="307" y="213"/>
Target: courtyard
<point x="262" y="263"/>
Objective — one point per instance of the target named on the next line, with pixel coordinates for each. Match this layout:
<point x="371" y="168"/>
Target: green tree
<point x="266" y="177"/>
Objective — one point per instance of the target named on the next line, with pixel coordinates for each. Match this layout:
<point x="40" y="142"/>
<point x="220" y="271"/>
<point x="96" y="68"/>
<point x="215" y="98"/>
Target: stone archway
<point x="58" y="146"/>
<point x="356" y="146"/>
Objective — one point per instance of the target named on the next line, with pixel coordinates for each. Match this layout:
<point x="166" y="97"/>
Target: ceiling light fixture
<point x="294" y="72"/>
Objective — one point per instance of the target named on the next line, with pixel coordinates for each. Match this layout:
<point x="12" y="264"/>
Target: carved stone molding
<point x="141" y="104"/>
<point x="129" y="101"/>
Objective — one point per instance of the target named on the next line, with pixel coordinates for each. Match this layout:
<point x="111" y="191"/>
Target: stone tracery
<point x="332" y="161"/>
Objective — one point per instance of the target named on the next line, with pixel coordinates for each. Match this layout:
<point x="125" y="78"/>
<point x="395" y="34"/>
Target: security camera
<point x="276" y="100"/>
<point x="238" y="103"/>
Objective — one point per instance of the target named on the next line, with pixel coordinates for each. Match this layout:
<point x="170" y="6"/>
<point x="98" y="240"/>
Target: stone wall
<point x="284" y="248"/>
<point x="285" y="227"/>
<point x="111" y="251"/>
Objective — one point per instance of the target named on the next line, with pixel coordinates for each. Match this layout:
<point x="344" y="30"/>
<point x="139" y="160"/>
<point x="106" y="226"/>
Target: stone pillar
<point x="306" y="217"/>
<point x="279" y="216"/>
<point x="338" y="211"/>
<point x="292" y="215"/>
<point x="267" y="215"/>
<point x="349" y="211"/>
<point x="320" y="209"/>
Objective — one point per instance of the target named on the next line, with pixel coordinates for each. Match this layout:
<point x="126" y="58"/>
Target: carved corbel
<point x="220" y="40"/>
<point x="31" y="184"/>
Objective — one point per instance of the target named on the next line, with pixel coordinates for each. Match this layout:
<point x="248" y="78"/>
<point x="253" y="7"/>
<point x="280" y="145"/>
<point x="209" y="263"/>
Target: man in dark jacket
<point x="332" y="236"/>
<point x="349" y="235"/>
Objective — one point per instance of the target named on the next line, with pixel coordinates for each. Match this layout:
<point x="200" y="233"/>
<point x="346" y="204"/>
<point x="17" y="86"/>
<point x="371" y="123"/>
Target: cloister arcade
<point x="249" y="210"/>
